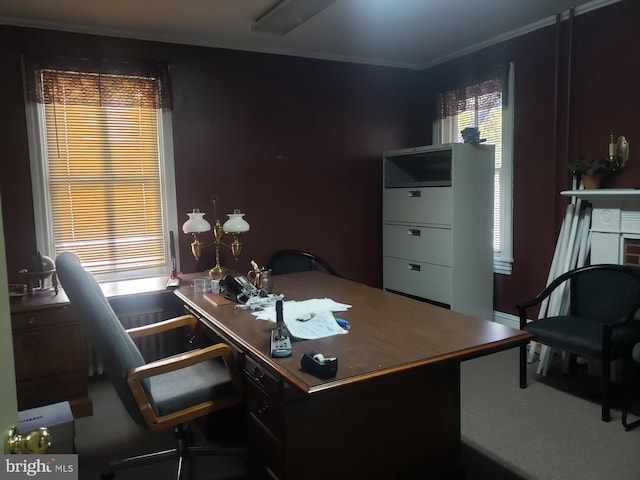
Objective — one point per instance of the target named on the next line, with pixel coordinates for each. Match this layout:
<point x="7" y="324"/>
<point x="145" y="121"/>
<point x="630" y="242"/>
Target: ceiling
<point x="403" y="33"/>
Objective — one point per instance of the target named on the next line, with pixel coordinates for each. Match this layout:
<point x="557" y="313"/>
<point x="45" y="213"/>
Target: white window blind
<point x="102" y="170"/>
<point x="481" y="105"/>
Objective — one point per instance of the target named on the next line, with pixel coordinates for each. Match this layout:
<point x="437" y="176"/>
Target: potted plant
<point x="592" y="171"/>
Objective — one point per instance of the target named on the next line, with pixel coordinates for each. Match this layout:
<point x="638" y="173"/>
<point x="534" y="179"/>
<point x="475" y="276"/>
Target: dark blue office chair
<point x="159" y="395"/>
<point x="603" y="300"/>
<point x="292" y="261"/>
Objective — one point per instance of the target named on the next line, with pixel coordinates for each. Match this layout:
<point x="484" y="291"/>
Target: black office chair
<point x="600" y="322"/>
<point x="292" y="261"/>
<point x="163" y="394"/>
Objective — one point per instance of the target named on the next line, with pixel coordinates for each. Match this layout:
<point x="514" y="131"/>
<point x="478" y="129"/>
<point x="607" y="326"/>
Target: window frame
<point x="41" y="195"/>
<point x="503" y="259"/>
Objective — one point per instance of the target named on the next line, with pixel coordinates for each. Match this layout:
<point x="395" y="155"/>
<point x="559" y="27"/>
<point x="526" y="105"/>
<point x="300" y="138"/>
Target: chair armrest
<point x="163" y="326"/>
<point x="137" y="375"/>
<point x="548" y="290"/>
<point x="165" y="365"/>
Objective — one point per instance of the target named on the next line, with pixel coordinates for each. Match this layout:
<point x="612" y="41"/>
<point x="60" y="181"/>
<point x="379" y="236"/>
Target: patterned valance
<point x="97" y="83"/>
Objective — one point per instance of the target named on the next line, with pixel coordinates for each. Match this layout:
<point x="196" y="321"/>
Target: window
<point x="483" y="105"/>
<point x="102" y="168"/>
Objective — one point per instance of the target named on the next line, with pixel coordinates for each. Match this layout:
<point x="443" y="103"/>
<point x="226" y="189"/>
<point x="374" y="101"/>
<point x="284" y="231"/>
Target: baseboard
<point x="507" y="319"/>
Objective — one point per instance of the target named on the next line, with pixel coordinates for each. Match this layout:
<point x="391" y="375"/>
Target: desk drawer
<point x="270" y="450"/>
<point x="261" y="376"/>
<point x="42" y="318"/>
<point x="266" y="408"/>
<point x="424" y="280"/>
<point x="423" y="244"/>
<point x="49" y="351"/>
<point x="53" y="389"/>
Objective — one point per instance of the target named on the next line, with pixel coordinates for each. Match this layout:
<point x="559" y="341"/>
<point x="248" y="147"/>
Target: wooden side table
<point x="50" y="353"/>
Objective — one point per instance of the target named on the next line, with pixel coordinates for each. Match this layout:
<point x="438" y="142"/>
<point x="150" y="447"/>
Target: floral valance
<point x="97" y="83"/>
<point x="486" y="93"/>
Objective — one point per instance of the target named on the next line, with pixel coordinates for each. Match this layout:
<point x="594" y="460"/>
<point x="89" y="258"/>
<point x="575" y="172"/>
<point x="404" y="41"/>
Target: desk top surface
<point x="49" y="299"/>
<point x="389" y="332"/>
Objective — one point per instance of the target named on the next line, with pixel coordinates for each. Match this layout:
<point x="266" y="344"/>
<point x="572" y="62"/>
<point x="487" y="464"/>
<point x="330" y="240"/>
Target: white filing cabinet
<point x="438" y="225"/>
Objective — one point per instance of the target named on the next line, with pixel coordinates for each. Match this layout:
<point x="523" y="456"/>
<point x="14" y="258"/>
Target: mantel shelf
<point x="604" y="194"/>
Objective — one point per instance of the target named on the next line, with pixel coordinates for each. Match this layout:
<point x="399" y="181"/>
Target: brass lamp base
<point x="217" y="271"/>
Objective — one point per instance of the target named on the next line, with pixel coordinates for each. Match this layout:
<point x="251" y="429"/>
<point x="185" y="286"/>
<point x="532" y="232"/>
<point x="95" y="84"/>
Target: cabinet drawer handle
<point x="414" y="267"/>
<point x="413" y="232"/>
<point x="257" y="374"/>
<point x="414" y="193"/>
<point x="31" y="321"/>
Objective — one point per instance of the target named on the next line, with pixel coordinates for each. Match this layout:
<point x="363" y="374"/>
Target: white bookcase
<point x="438" y="225"/>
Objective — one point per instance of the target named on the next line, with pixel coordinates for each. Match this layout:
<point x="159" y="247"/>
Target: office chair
<point x="292" y="261"/>
<point x="163" y="394"/>
<point x="599" y="324"/>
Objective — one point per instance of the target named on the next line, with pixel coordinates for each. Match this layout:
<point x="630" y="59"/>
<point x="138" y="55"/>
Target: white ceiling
<point x="403" y="33"/>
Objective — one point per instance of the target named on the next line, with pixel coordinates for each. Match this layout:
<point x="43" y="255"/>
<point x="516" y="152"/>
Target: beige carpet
<point x="111" y="434"/>
<point x="550" y="431"/>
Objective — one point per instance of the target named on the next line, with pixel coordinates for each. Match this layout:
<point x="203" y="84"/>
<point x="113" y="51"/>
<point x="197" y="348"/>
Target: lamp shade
<point x="236" y="224"/>
<point x="196" y="223"/>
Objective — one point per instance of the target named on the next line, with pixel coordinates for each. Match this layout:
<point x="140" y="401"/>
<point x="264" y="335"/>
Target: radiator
<point x="151" y="347"/>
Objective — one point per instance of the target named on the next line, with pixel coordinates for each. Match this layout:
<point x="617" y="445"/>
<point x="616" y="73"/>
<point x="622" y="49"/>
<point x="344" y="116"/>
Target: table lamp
<point x="235" y="225"/>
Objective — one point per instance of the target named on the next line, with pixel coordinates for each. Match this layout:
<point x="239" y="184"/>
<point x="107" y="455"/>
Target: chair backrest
<point x="114" y="347"/>
<point x="292" y="261"/>
<point x="605" y="292"/>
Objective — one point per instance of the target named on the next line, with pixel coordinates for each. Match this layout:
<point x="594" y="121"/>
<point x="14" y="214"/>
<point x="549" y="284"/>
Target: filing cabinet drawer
<point x="424" y="280"/>
<point x="431" y="206"/>
<point x="422" y="244"/>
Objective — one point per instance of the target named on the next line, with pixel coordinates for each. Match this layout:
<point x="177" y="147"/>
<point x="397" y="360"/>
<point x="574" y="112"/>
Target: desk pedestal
<point x="393" y="409"/>
<point x="394" y="426"/>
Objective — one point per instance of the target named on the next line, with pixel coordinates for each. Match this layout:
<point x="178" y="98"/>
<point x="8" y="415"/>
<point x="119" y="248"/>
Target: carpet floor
<point x="549" y="431"/>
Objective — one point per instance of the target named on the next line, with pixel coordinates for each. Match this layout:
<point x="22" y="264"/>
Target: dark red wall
<point x="296" y="143"/>
<point x="598" y="71"/>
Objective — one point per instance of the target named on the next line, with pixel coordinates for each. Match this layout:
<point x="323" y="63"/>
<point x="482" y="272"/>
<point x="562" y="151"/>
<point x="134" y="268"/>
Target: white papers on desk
<point x="322" y="322"/>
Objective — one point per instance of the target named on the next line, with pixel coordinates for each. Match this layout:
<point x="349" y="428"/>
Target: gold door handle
<point x="37" y="441"/>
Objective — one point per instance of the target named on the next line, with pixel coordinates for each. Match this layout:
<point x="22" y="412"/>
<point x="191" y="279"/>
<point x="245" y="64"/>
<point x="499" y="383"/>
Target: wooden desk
<point x="392" y="411"/>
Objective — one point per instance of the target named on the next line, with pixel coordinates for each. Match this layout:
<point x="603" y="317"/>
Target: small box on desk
<point x="57" y="418"/>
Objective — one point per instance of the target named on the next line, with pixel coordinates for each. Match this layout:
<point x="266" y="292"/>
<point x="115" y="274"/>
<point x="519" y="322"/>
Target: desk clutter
<point x="303" y="320"/>
<point x="309" y="319"/>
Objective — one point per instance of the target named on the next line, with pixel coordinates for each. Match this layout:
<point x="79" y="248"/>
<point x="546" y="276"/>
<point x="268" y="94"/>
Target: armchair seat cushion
<point x="580" y="335"/>
<point x="190" y="386"/>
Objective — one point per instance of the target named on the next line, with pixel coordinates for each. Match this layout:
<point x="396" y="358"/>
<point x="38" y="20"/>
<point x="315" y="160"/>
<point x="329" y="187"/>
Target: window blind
<point x="480" y="106"/>
<point x="102" y="148"/>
